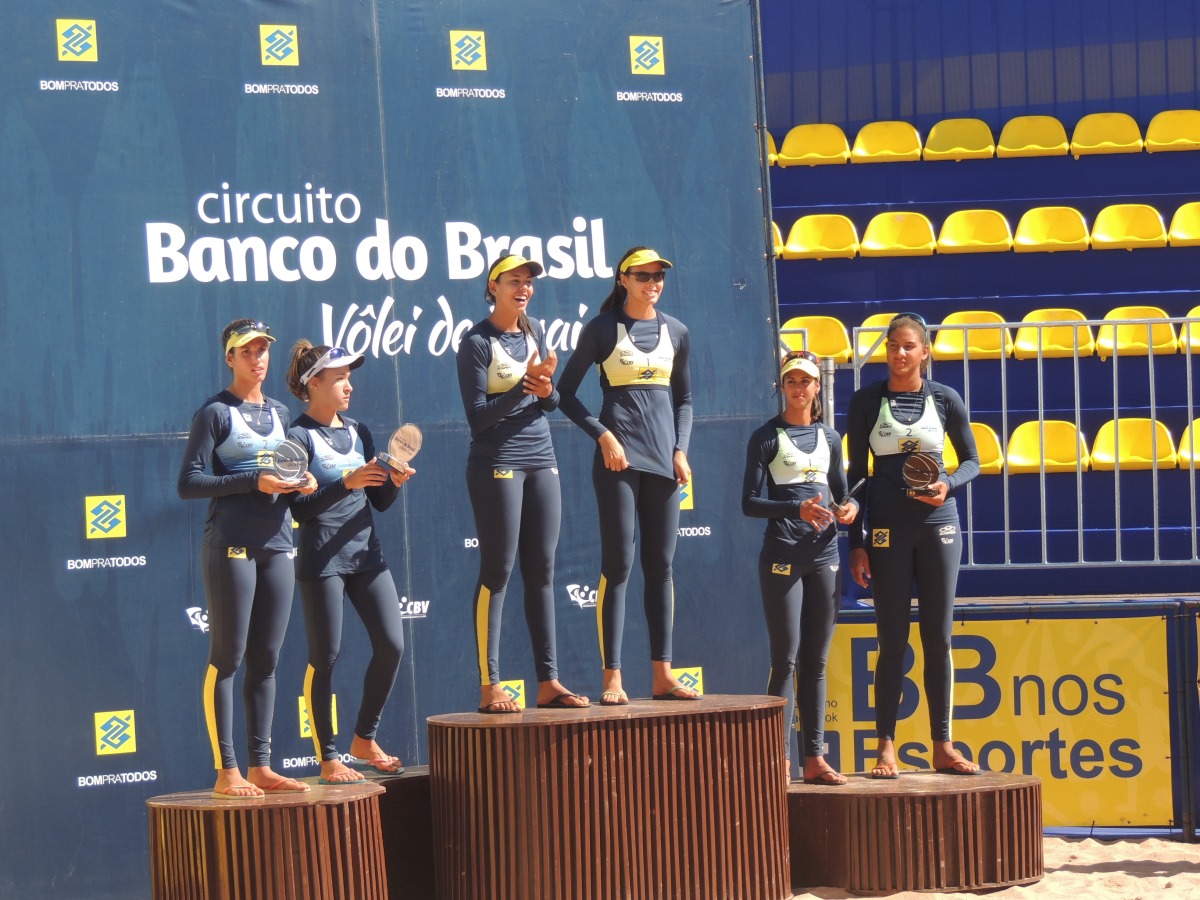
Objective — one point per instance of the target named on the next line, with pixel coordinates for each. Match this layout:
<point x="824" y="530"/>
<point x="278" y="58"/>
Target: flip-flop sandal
<point x="557" y="702"/>
<point x="376" y="766"/>
<point x="950" y="770"/>
<point x="358" y="779"/>
<point x="489" y="711"/>
<point x="221" y="795"/>
<point x="885" y="776"/>
<point x="828" y="778"/>
<point x="673" y="694"/>
<point x="622" y="698"/>
<point x="282" y="787"/>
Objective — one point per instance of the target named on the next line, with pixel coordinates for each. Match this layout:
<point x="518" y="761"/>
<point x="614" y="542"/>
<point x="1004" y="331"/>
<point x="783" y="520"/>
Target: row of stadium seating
<point x="1048" y="332"/>
<point x="1043" y="229"/>
<point x="1127" y="444"/>
<point x="959" y="139"/>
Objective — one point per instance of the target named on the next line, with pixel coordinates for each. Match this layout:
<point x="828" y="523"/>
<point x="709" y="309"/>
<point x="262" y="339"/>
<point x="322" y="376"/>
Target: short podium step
<point x="923" y="831"/>
<point x="323" y="845"/>
<point x="654" y="799"/>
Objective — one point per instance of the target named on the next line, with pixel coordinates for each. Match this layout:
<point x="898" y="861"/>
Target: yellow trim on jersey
<point x="309" y="671"/>
<point x="482" y="604"/>
<point x="600" y="591"/>
<point x="210" y="713"/>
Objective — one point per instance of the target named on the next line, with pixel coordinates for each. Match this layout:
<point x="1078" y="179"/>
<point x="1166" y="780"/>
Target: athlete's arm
<point x="958" y="432"/>
<point x="474" y="355"/>
<point x="858" y="434"/>
<point x="587" y="352"/>
<point x="208" y="429"/>
<point x="681" y="391"/>
<point x="384" y="494"/>
<point x="756" y="503"/>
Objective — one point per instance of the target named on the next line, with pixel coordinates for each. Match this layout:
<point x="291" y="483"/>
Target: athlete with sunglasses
<point x="795" y="480"/>
<point x="504" y="376"/>
<point x="245" y="555"/>
<point x="910" y="539"/>
<point x="340" y="556"/>
<point x="642" y="436"/>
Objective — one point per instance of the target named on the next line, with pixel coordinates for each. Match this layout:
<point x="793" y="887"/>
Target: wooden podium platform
<point x="921" y="832"/>
<point x="654" y="799"/>
<point x="323" y="845"/>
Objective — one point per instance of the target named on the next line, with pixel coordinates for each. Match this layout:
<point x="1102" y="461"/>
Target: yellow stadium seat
<point x="1128" y="226"/>
<point x="1056" y="340"/>
<point x="821" y="236"/>
<point x="1189" y="446"/>
<point x="1189" y="335"/>
<point x="886" y="142"/>
<point x="1185" y="226"/>
<point x="978" y="343"/>
<point x="1050" y="229"/>
<point x="898" y="234"/>
<point x="975" y="231"/>
<point x="846" y="460"/>
<point x="1064" y="448"/>
<point x="826" y="336"/>
<point x="777" y="240"/>
<point x="813" y="145"/>
<point x="1134" y="444"/>
<point x="867" y="338"/>
<point x="1110" y="132"/>
<point x="987" y="444"/>
<point x="1174" y="129"/>
<point x="1032" y="136"/>
<point x="772" y="150"/>
<point x="1136" y="339"/>
<point x="960" y="139"/>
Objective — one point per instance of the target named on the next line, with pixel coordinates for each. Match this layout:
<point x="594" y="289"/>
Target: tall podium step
<point x="921" y="832"/>
<point x="654" y="799"/>
<point x="323" y="845"/>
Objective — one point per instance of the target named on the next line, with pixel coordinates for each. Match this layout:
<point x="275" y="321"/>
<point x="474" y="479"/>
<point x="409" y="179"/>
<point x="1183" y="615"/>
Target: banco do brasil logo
<point x="280" y="45"/>
<point x="468" y="50"/>
<point x="115" y="733"/>
<point x="646" y="55"/>
<point x="77" y="40"/>
<point x="105" y="516"/>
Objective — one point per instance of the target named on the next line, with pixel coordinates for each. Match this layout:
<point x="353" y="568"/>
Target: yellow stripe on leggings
<point x="309" y="672"/>
<point x="210" y="713"/>
<point x="482" y="604"/>
<point x="600" y="592"/>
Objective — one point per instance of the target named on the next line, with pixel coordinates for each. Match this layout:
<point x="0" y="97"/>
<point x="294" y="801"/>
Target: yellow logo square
<point x="77" y="40"/>
<point x="468" y="50"/>
<point x="115" y="733"/>
<point x="690" y="676"/>
<point x="687" y="494"/>
<point x="306" y="722"/>
<point x="280" y="45"/>
<point x="502" y="473"/>
<point x="881" y="537"/>
<point x="105" y="516"/>
<point x="237" y="553"/>
<point x="646" y="55"/>
<point x="515" y="690"/>
<point x="781" y="568"/>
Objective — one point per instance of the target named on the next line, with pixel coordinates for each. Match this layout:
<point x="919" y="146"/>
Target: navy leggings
<point x="517" y="514"/>
<point x="800" y="603"/>
<point x="249" y="603"/>
<point x="374" y="597"/>
<point x="624" y="500"/>
<point x="927" y="555"/>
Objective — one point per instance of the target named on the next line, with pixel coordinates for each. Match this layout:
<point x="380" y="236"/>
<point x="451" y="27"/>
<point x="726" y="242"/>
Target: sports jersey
<point x="646" y="386"/>
<point x="234" y="438"/>
<point x="786" y="465"/>
<point x="508" y="426"/>
<point x="893" y="425"/>
<point x="337" y="532"/>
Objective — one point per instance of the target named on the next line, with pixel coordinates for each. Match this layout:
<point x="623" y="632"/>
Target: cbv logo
<point x="413" y="609"/>
<point x="581" y="595"/>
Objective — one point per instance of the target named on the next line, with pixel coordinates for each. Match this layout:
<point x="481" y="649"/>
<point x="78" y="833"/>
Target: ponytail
<point x="304" y="356"/>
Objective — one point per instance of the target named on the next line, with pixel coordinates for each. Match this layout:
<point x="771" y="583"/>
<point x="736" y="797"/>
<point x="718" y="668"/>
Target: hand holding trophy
<point x="920" y="471"/>
<point x="287" y="470"/>
<point x="403" y="445"/>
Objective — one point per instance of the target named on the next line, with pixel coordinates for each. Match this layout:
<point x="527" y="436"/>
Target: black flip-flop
<point x="557" y="702"/>
<point x="885" y="776"/>
<point x="488" y="711"/>
<point x="824" y="780"/>
<point x="950" y="770"/>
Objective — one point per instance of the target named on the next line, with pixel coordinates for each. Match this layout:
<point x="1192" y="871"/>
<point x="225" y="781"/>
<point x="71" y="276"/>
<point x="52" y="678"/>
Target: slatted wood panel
<point x="921" y="832"/>
<point x="324" y="845"/>
<point x="653" y="800"/>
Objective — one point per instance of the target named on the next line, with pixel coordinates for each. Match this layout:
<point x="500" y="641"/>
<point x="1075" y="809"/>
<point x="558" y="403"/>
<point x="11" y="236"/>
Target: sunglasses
<point x="261" y="327"/>
<point x="333" y="354"/>
<point x="916" y="317"/>
<point x="802" y="354"/>
<point x="643" y="277"/>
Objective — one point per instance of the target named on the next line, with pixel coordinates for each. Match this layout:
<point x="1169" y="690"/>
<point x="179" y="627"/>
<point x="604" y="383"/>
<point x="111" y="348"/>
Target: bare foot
<point x="817" y="771"/>
<point x="553" y="692"/>
<point x="231" y="784"/>
<point x="945" y="757"/>
<point x="273" y="783"/>
<point x="664" y="685"/>
<point x="612" y="693"/>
